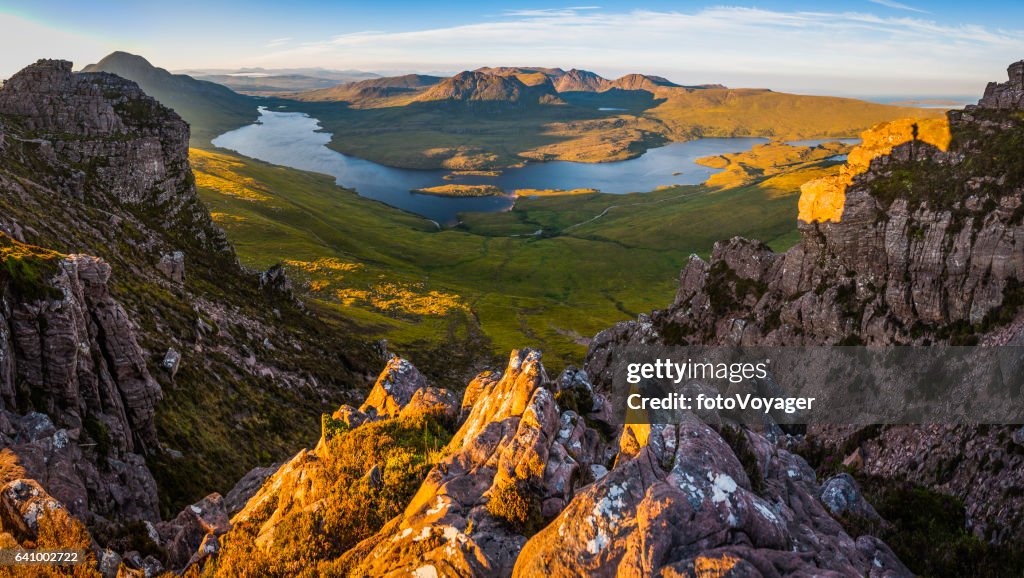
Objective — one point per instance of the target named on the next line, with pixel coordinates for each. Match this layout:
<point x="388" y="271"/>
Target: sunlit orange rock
<point x="822" y="200"/>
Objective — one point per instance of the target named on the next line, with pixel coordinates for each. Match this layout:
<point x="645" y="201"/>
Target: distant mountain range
<point x="273" y="81"/>
<point x="511" y="84"/>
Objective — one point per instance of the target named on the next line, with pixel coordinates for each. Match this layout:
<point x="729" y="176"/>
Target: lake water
<point x="296" y="140"/>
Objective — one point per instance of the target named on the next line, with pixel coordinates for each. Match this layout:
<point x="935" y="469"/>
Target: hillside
<point x="211" y="108"/>
<point x="373" y="90"/>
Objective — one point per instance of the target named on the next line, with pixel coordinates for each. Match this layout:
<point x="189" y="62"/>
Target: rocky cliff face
<point x="111" y="137"/>
<point x="923" y="245"/>
<point x="77" y="401"/>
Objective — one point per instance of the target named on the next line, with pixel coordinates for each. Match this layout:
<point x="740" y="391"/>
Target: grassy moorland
<point x="549" y="273"/>
<point x="402" y="131"/>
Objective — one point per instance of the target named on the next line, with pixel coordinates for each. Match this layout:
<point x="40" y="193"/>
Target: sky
<point x="848" y="47"/>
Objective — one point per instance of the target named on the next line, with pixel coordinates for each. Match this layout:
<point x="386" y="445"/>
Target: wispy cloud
<point x="276" y="42"/>
<point x="838" y="51"/>
<point x="547" y="12"/>
<point x="898" y="6"/>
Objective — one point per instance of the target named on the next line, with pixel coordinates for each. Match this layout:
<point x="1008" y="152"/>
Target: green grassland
<point x="475" y="291"/>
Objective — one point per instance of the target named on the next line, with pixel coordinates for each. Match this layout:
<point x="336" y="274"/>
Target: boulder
<point x="23" y="504"/>
<point x="171" y="362"/>
<point x="395" y="387"/>
<point x="246" y="488"/>
<point x="192" y="534"/>
<point x="842" y="496"/>
<point x="172" y="265"/>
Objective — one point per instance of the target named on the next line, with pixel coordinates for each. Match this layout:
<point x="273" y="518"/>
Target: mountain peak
<point x="477" y="86"/>
<point x="643" y="82"/>
<point x="577" y="80"/>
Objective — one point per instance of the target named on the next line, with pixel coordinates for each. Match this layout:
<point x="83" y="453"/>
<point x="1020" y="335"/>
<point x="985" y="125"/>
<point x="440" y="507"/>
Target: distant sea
<point x="924" y="101"/>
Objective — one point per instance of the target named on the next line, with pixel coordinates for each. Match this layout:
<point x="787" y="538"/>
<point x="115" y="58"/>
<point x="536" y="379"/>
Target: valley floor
<point x="550" y="273"/>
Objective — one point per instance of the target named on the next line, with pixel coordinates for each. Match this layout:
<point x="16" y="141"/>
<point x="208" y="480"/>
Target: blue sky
<point x="856" y="47"/>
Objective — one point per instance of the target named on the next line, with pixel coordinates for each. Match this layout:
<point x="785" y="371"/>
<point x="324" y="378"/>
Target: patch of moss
<point x="331" y="428"/>
<point x="578" y="399"/>
<point x="100" y="434"/>
<point x="516" y="504"/>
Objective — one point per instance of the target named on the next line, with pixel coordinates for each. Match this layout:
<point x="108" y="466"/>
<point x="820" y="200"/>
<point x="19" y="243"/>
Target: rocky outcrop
<point x="117" y="139"/>
<point x="400" y="391"/>
<point x="1007" y="95"/>
<point x="194" y="533"/>
<point x="302" y="483"/>
<point x="172" y="265"/>
<point x="395" y="388"/>
<point x="91" y="166"/>
<point x="515" y="462"/>
<point x="679" y="502"/>
<point x="841" y="496"/>
<point x="897" y="267"/>
<point x="74" y="354"/>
